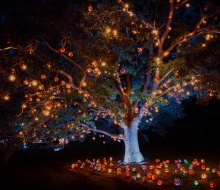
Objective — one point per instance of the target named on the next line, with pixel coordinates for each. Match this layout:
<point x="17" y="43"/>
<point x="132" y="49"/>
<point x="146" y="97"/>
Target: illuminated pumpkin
<point x="154" y="177"/>
<point x="134" y="178"/>
<point x="122" y="71"/>
<point x="204" y="176"/>
<point x="134" y="170"/>
<point x="151" y="167"/>
<point x="139" y="50"/>
<point x="196" y="88"/>
<point x="62" y="49"/>
<point x="143" y="179"/>
<point x="194" y="162"/>
<point x="119" y="173"/>
<point x="90" y="8"/>
<point x="196" y="183"/>
<point x="70" y="54"/>
<point x="157" y="160"/>
<point x="167" y="171"/>
<point x="109" y="170"/>
<point x="73" y="166"/>
<point x="43" y="76"/>
<point x="218" y="173"/>
<point x="105" y="163"/>
<point x="176" y="171"/>
<point x="191" y="172"/>
<point x="177" y="182"/>
<point x="213" y="170"/>
<point x="158" y="172"/>
<point x="56" y="79"/>
<point x="149" y="175"/>
<point x="203" y="167"/>
<point x="127" y="174"/>
<point x="138" y="175"/>
<point x="160" y="182"/>
<point x="212" y="184"/>
<point x="144" y="167"/>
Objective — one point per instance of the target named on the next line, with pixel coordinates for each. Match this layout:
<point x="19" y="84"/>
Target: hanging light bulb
<point x="23" y="66"/>
<point x="6" y="97"/>
<point x="34" y="83"/>
<point x="12" y="77"/>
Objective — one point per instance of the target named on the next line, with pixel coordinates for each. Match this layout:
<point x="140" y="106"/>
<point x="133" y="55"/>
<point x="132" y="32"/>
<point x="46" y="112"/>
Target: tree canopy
<point x="101" y="67"/>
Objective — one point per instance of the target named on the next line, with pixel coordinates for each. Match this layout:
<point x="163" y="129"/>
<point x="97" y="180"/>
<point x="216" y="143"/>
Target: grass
<point x="42" y="169"/>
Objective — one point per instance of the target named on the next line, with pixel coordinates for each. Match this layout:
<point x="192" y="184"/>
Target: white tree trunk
<point x="132" y="150"/>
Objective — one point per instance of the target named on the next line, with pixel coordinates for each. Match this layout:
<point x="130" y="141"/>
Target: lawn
<point x="42" y="169"/>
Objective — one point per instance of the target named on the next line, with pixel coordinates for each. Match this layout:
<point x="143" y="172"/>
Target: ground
<point x="43" y="169"/>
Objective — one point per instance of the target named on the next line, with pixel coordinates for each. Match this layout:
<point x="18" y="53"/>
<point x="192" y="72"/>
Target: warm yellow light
<point x="103" y="64"/>
<point x="131" y="14"/>
<point x="166" y="53"/>
<point x="115" y="32"/>
<point x="68" y="86"/>
<point x="6" y="97"/>
<point x="34" y="83"/>
<point x="83" y="83"/>
<point x="126" y="5"/>
<point x="157" y="60"/>
<point x="46" y="112"/>
<point x="155" y="32"/>
<point x="24" y="67"/>
<point x="12" y="78"/>
<point x="187" y="5"/>
<point x="108" y="30"/>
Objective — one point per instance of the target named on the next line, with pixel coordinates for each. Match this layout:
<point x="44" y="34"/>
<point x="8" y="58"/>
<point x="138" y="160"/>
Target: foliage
<point x="101" y="68"/>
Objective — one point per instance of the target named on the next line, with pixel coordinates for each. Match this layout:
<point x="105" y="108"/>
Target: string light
<point x="187" y="5"/>
<point x="23" y="66"/>
<point x="12" y="77"/>
<point x="34" y="83"/>
<point x="6" y="97"/>
<point x="108" y="30"/>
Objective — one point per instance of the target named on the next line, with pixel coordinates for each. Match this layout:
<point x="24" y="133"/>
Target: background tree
<point x="112" y="64"/>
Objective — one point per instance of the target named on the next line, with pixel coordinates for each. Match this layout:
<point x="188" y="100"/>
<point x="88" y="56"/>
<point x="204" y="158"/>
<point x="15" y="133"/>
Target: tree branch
<point x="67" y="58"/>
<point x="196" y="32"/>
<point x="167" y="28"/>
<point x="165" y="76"/>
<point x="102" y="132"/>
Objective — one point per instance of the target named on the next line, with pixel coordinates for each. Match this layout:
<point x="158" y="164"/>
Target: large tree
<point x="115" y="71"/>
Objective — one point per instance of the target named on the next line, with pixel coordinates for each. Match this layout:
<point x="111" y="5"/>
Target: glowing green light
<point x="196" y="183"/>
<point x="186" y="162"/>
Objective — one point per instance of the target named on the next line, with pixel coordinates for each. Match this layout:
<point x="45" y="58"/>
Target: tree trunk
<point x="132" y="151"/>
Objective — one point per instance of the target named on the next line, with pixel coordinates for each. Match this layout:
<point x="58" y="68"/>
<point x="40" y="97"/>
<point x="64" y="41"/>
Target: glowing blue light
<point x="25" y="146"/>
<point x="58" y="148"/>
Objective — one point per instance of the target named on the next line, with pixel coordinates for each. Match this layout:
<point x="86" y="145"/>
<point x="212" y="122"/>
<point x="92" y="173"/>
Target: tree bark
<point x="132" y="150"/>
